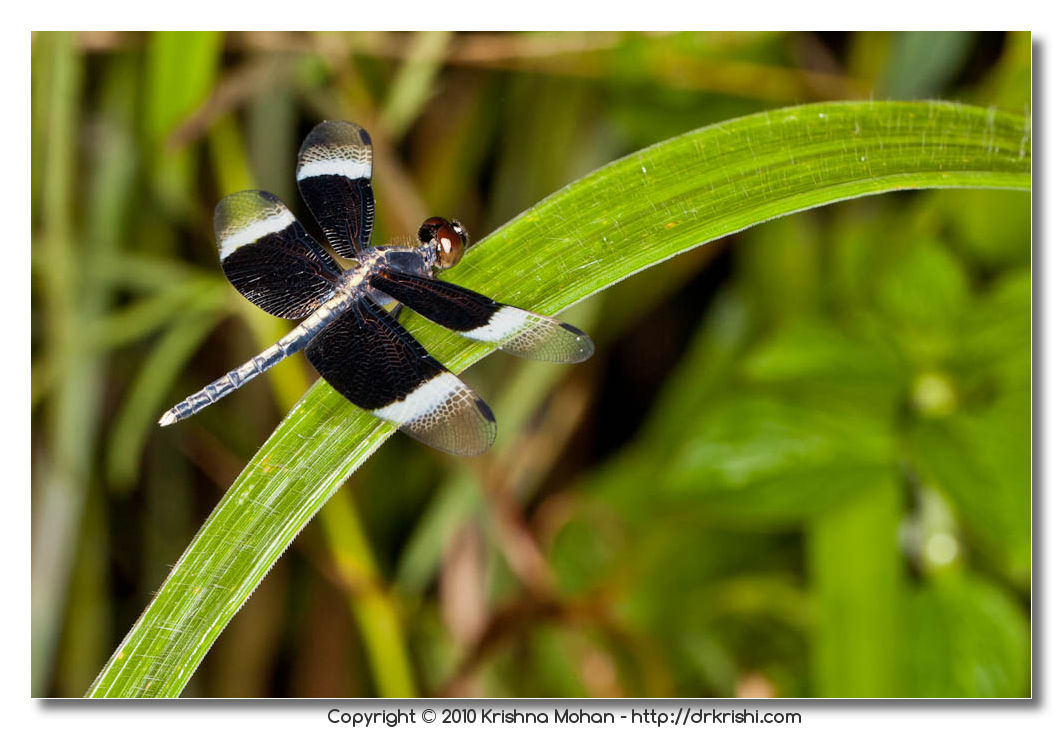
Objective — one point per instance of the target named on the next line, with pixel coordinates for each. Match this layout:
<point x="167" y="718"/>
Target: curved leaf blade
<point x="623" y="218"/>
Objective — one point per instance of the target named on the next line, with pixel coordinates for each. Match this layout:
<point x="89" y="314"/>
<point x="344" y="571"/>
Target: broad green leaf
<point x="996" y="337"/>
<point x="764" y="457"/>
<point x="966" y="638"/>
<point x="617" y="221"/>
<point x="747" y="439"/>
<point x="808" y="423"/>
<point x="925" y="288"/>
<point x="812" y="350"/>
<point x="983" y="462"/>
<point x="922" y="294"/>
<point x="993" y="228"/>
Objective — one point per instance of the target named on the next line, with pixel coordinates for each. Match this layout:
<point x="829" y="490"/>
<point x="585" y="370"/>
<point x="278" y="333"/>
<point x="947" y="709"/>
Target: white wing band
<point x="426" y="399"/>
<point x="352" y="168"/>
<point x="256" y="230"/>
<point x="505" y="322"/>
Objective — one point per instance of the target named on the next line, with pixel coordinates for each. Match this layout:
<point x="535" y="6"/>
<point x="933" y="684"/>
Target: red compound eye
<point x="451" y="245"/>
<point x="447" y="238"/>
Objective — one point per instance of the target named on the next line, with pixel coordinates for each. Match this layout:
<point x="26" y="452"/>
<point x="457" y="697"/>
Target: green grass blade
<point x="372" y="608"/>
<point x="412" y="85"/>
<point x="623" y="218"/>
<point x="180" y="70"/>
<point x="856" y="572"/>
<point x="153" y="380"/>
<point x="58" y="69"/>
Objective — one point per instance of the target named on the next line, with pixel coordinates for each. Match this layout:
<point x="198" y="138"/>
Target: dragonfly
<point x="349" y="330"/>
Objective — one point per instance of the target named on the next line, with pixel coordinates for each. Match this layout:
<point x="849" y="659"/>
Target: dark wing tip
<point x="583" y="348"/>
<point x="533" y="336"/>
<point x="485" y="410"/>
<point x="244" y="207"/>
<point x="467" y="429"/>
<point x="335" y="132"/>
<point x="446" y="414"/>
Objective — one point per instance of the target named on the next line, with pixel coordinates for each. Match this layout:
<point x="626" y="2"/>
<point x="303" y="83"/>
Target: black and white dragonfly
<point x="349" y="335"/>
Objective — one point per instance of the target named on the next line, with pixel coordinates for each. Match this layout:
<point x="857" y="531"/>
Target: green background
<point x="799" y="464"/>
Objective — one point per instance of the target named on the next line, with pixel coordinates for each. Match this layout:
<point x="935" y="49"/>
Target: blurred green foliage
<point x="799" y="464"/>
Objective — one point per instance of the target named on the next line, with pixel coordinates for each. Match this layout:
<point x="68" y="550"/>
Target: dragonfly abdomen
<point x="296" y="340"/>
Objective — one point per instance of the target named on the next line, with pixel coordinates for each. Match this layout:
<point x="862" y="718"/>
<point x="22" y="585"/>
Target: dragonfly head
<point x="447" y="239"/>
